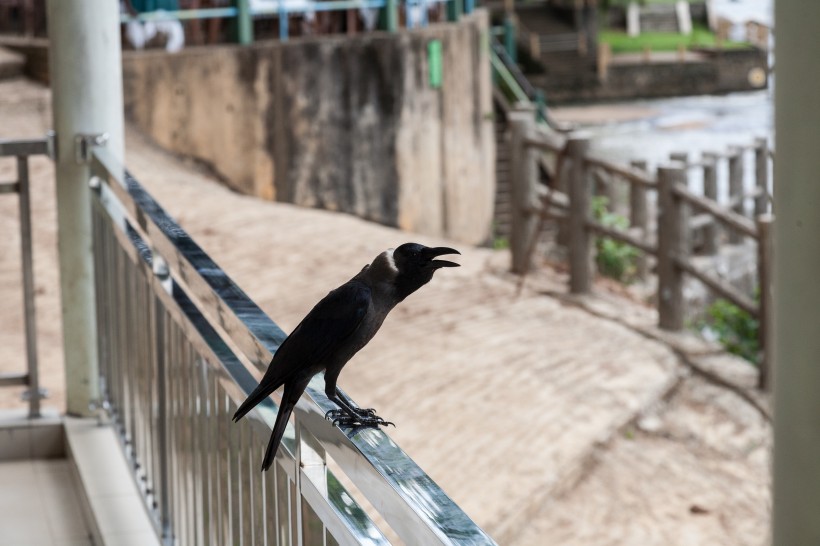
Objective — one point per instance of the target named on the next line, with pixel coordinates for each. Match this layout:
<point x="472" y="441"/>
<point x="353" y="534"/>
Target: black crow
<point x="338" y="326"/>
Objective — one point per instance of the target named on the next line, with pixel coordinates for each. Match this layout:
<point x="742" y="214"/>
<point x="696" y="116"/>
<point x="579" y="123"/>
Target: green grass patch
<point x="701" y="36"/>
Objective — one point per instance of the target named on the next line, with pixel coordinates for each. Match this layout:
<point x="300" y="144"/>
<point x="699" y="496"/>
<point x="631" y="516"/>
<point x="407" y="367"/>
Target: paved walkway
<point x="546" y="422"/>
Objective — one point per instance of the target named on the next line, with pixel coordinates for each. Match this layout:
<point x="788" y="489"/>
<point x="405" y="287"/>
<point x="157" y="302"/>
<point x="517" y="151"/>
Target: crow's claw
<point x="367" y="418"/>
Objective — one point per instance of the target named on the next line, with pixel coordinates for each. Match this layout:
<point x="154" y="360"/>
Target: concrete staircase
<point x="659" y="18"/>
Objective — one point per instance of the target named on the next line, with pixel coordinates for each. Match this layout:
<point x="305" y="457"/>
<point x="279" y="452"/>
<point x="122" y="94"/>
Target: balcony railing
<point x="177" y="342"/>
<point x="22" y="150"/>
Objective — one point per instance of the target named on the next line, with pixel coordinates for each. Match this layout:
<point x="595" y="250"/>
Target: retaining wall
<point x="349" y="124"/>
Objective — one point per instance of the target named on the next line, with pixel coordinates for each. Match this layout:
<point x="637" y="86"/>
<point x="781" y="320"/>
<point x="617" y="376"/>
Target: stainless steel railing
<point x="177" y="341"/>
<point x="21" y="150"/>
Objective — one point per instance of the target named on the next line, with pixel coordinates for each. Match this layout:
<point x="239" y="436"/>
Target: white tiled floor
<point x="39" y="505"/>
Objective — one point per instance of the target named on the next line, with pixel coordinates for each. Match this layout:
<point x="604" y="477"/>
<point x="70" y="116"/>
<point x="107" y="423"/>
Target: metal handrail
<point x="214" y="314"/>
<point x="523" y="92"/>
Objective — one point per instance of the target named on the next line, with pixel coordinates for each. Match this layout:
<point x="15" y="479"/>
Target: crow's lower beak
<point x="440" y="251"/>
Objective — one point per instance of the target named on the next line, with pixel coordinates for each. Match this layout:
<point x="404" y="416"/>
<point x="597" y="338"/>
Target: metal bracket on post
<point x="83" y="143"/>
<point x="51" y="145"/>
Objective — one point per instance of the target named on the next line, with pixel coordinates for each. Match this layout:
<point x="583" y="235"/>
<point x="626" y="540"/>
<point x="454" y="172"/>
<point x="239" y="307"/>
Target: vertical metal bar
<point x="283" y="506"/>
<point x="28" y="287"/>
<point x="244" y="455"/>
<point x="283" y="22"/>
<point x="271" y="507"/>
<point x="220" y="463"/>
<point x="188" y="365"/>
<point x="391" y="8"/>
<point x="244" y="22"/>
<point x="312" y="465"/>
<point x="257" y="491"/>
<point x="162" y="482"/>
<point x="175" y="467"/>
<point x="234" y="476"/>
<point x="295" y="513"/>
<point x="509" y="37"/>
<point x="454" y="10"/>
<point x="205" y="451"/>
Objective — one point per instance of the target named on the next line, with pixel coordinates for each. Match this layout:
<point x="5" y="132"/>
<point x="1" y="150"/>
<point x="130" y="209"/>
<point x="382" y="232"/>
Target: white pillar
<point x="797" y="262"/>
<point x="86" y="83"/>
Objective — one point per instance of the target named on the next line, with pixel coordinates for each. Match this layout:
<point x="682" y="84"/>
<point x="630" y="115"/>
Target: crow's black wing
<point x="323" y="331"/>
<point x="318" y="337"/>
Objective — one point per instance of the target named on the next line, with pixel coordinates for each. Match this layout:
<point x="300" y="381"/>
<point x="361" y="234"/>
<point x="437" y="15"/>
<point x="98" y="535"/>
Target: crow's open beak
<point x="441" y="251"/>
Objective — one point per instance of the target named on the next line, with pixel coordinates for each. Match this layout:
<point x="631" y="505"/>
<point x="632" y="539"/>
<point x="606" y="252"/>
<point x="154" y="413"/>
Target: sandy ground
<point x="547" y="423"/>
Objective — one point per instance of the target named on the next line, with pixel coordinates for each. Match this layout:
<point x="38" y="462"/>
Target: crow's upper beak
<point x="431" y="253"/>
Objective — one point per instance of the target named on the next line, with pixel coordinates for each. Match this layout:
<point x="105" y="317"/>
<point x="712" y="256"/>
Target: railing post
<point x="604" y="59"/>
<point x="761" y="175"/>
<point x="580" y="196"/>
<point x="454" y="10"/>
<point x="736" y="189"/>
<point x="244" y="22"/>
<point x="86" y="82"/>
<point x="391" y="15"/>
<point x="638" y="215"/>
<point x="509" y="37"/>
<point x="160" y="271"/>
<point x="33" y="392"/>
<point x="711" y="232"/>
<point x="523" y="184"/>
<point x="671" y="247"/>
<point x="765" y="268"/>
<point x="683" y="208"/>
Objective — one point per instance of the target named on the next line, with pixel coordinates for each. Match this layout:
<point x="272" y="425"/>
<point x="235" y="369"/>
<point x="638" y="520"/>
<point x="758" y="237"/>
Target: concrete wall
<point x="720" y="71"/>
<point x="345" y="124"/>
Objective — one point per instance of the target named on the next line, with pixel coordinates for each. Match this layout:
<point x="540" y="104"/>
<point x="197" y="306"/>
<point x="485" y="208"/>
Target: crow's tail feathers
<point x="276" y="436"/>
<point x="289" y="399"/>
<point x="261" y="392"/>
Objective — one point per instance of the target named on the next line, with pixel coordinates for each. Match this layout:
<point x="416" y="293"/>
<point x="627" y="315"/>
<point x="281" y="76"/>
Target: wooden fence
<point x="680" y="215"/>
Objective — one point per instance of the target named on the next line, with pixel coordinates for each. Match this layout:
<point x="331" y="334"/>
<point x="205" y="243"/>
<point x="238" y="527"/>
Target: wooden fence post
<point x="638" y="216"/>
<point x="765" y="269"/>
<point x="523" y="184"/>
<point x="711" y="233"/>
<point x="761" y="175"/>
<point x="736" y="188"/>
<point x="671" y="247"/>
<point x="580" y="193"/>
<point x="683" y="208"/>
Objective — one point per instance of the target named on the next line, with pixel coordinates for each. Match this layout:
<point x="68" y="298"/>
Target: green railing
<point x="245" y="14"/>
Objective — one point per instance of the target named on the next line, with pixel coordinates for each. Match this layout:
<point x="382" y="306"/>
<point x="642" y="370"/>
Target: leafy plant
<point x="501" y="243"/>
<point x="735" y="329"/>
<point x="614" y="258"/>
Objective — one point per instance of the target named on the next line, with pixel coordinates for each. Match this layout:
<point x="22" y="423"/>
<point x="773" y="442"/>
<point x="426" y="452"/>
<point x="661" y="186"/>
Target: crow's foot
<point x="361" y="418"/>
